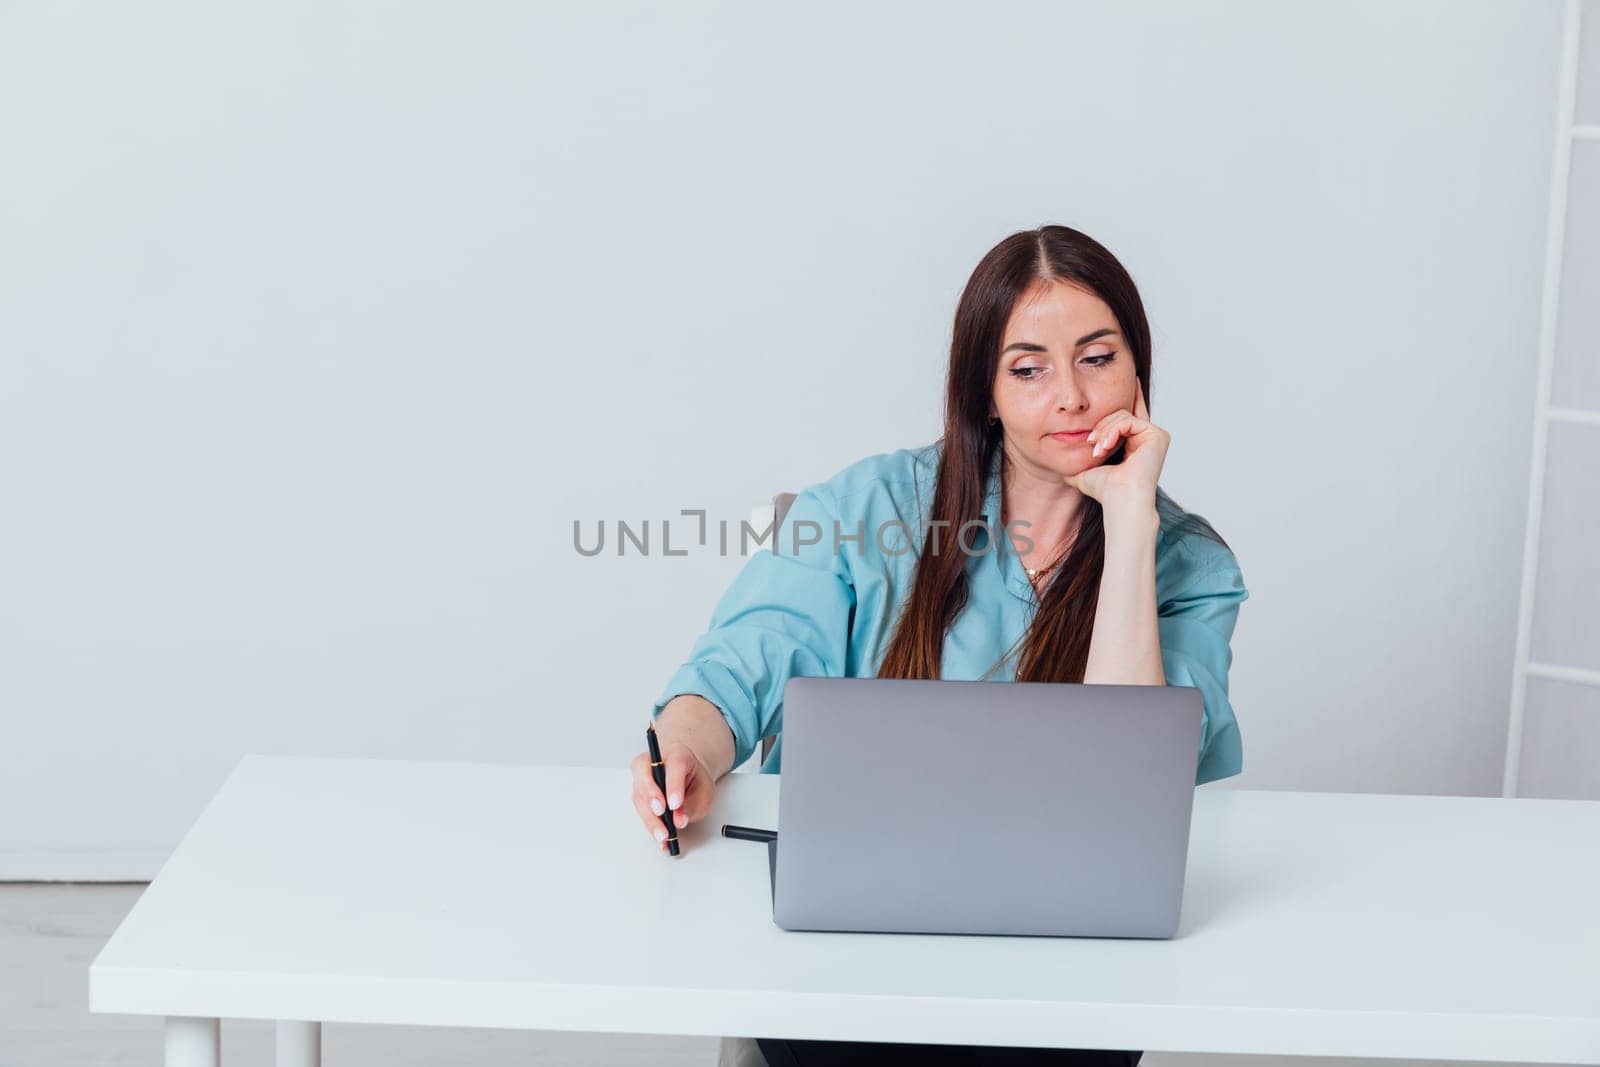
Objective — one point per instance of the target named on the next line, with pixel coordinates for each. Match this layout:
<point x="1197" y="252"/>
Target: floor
<point x="51" y="932"/>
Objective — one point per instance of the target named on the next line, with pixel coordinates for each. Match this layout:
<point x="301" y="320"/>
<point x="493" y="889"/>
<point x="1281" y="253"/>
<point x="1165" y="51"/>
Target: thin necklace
<point x="1032" y="573"/>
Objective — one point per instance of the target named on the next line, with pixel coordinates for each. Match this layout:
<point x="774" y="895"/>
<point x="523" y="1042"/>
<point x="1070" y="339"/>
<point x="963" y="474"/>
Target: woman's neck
<point x="1040" y="498"/>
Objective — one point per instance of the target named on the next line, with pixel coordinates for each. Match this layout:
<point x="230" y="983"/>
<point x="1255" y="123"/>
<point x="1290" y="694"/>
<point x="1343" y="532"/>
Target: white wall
<point x="321" y="323"/>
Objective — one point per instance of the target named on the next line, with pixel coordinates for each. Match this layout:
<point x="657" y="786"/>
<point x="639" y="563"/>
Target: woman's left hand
<point x="1133" y="481"/>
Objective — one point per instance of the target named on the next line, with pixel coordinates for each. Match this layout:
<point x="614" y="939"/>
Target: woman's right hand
<point x="689" y="784"/>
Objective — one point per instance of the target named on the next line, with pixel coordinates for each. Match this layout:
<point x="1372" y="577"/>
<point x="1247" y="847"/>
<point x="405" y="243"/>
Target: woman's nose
<point x="1071" y="397"/>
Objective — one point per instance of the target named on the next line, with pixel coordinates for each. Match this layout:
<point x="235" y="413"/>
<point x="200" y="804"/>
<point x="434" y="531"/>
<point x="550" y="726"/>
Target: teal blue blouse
<point x="816" y="611"/>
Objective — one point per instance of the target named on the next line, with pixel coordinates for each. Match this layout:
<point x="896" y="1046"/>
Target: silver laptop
<point x="993" y="807"/>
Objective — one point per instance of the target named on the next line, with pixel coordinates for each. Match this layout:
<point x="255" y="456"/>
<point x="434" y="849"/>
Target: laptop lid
<point x="984" y="807"/>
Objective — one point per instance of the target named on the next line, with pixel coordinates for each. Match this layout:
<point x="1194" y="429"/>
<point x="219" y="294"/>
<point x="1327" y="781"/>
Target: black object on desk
<point x="658" y="771"/>
<point x="748" y="833"/>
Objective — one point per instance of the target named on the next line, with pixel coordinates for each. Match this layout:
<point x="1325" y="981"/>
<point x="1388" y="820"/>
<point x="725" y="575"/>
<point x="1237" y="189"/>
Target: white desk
<point x="494" y="895"/>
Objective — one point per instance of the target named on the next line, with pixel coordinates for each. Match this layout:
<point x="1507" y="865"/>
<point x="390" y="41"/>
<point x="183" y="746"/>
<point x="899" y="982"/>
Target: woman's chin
<point x="1067" y="470"/>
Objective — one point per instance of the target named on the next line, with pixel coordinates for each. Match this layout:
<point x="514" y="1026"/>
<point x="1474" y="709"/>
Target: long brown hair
<point x="1055" y="647"/>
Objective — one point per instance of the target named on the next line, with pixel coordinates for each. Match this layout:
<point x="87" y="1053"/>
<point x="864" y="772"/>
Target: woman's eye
<point x="1027" y="374"/>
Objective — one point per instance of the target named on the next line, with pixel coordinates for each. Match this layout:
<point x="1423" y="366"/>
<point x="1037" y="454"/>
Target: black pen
<point x="658" y="771"/>
<point x="748" y="833"/>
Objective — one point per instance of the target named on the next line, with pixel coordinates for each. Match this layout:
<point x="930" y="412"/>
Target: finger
<point x="698" y="802"/>
<point x="694" y="782"/>
<point x="644" y="783"/>
<point x="652" y="823"/>
<point x="1104" y="424"/>
<point x="1127" y="425"/>
<point x="1105" y="435"/>
<point x="678" y="763"/>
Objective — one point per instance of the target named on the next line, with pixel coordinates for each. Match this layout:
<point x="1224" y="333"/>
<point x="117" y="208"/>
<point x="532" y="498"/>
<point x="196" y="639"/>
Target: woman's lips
<point x="1071" y="438"/>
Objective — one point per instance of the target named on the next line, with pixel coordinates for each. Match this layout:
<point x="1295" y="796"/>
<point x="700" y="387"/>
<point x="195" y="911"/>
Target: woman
<point x="1098" y="576"/>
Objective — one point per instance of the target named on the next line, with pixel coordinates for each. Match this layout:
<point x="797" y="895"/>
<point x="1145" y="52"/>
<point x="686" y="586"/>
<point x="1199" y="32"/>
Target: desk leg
<point x="194" y="1042"/>
<point x="299" y="1044"/>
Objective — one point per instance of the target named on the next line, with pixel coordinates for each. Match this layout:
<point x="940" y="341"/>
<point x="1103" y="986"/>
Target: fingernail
<point x="661" y="835"/>
<point x="655" y="805"/>
<point x="674" y="800"/>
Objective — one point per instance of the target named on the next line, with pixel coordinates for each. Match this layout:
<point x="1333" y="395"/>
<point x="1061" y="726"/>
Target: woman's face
<point x="1064" y="366"/>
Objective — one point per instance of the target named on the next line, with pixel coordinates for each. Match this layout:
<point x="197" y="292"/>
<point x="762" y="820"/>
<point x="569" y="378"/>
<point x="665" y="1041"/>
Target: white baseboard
<point x="103" y="865"/>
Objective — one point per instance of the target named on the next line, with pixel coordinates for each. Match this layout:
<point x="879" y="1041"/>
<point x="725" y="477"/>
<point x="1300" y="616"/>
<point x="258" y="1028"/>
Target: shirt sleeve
<point x="1195" y="627"/>
<point x="787" y="613"/>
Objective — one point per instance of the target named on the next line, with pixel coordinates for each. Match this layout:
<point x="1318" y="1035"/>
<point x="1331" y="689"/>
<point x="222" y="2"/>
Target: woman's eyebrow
<point x="1029" y="346"/>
